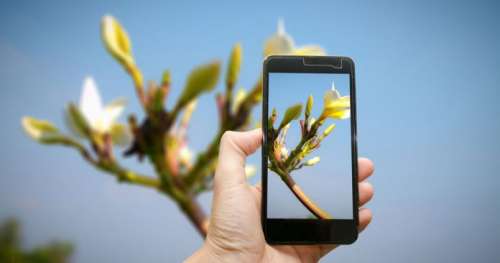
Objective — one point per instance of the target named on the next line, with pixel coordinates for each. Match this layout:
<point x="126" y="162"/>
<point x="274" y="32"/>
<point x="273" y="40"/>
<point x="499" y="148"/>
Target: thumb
<point x="234" y="148"/>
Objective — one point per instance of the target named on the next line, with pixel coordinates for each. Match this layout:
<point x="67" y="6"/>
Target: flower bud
<point x="312" y="161"/>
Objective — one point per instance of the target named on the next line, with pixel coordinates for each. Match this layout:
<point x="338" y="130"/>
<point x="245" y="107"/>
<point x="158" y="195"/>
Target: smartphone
<point x="309" y="153"/>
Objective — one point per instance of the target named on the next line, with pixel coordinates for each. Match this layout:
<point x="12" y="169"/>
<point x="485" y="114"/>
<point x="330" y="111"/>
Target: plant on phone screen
<point x="283" y="162"/>
<point x="161" y="136"/>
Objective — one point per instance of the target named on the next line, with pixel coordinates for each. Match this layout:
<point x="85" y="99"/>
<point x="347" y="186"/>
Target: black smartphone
<point x="309" y="153"/>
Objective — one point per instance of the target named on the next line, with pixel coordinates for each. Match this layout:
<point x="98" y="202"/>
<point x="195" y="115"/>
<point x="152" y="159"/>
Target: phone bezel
<point x="310" y="231"/>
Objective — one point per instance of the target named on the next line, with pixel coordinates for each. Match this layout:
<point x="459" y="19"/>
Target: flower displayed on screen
<point x="335" y="106"/>
<point x="283" y="161"/>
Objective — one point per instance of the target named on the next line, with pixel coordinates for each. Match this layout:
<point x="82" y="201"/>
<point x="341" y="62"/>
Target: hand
<point x="235" y="231"/>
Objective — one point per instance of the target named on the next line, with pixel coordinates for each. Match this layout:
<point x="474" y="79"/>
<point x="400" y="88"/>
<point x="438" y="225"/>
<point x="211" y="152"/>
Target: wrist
<point x="208" y="253"/>
<point x="205" y="254"/>
<point x="199" y="255"/>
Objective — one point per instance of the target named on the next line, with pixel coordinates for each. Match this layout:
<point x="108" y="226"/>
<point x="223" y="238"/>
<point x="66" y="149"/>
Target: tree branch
<point x="111" y="166"/>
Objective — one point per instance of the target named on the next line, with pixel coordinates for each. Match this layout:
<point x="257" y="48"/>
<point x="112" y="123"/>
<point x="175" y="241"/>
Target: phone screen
<point x="309" y="146"/>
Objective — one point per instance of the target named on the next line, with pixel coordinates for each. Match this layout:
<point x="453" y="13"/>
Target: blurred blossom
<point x="250" y="170"/>
<point x="240" y="96"/>
<point x="185" y="155"/>
<point x="99" y="118"/>
<point x="102" y="119"/>
<point x="310" y="123"/>
<point x="284" y="152"/>
<point x="312" y="161"/>
<point x="283" y="44"/>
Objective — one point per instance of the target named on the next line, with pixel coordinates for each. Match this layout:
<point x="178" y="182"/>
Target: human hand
<point x="235" y="231"/>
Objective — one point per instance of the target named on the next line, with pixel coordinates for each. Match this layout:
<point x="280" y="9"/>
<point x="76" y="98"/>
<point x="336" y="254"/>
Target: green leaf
<point x="202" y="79"/>
<point x="233" y="69"/>
<point x="291" y="114"/>
<point x="158" y="100"/>
<point x="77" y="122"/>
<point x="39" y="130"/>
<point x="166" y="78"/>
<point x="272" y="119"/>
<point x="309" y="105"/>
<point x="255" y="94"/>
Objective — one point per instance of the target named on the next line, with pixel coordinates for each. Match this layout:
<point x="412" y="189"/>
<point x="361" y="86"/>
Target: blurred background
<point x="428" y="82"/>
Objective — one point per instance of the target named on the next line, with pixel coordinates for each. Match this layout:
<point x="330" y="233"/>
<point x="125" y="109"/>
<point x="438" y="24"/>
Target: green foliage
<point x="292" y="113"/>
<point x="233" y="69"/>
<point x="202" y="79"/>
<point x="12" y="252"/>
<point x="166" y="78"/>
<point x="309" y="105"/>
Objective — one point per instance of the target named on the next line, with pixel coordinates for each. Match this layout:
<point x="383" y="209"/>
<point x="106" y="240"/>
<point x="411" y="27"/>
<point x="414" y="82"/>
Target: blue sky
<point x="428" y="115"/>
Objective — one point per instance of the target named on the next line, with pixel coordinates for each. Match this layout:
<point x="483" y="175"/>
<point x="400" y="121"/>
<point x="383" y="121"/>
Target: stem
<point x="110" y="166"/>
<point x="299" y="146"/>
<point x="296" y="190"/>
<point x="303" y="198"/>
<point x="128" y="176"/>
<point x="195" y="214"/>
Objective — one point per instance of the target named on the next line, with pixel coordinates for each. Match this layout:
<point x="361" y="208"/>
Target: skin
<point x="235" y="231"/>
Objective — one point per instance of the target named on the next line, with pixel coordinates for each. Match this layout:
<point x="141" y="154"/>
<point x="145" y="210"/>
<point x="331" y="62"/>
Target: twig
<point x="110" y="166"/>
<point x="297" y="191"/>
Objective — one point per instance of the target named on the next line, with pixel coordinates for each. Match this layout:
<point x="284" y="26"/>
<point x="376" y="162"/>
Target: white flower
<point x="98" y="117"/>
<point x="101" y="119"/>
<point x="283" y="44"/>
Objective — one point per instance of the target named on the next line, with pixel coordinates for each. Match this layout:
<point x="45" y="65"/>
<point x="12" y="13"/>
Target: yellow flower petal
<point x="335" y="106"/>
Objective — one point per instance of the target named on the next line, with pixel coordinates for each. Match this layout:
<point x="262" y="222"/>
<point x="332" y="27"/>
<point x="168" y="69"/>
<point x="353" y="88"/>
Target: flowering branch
<point x="161" y="136"/>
